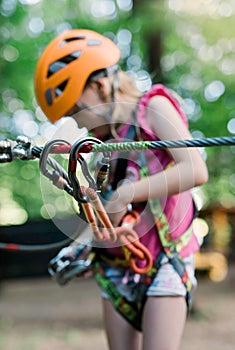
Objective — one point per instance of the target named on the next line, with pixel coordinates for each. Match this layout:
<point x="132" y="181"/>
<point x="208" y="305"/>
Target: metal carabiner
<point x="83" y="145"/>
<point x="58" y="176"/>
<point x="5" y="151"/>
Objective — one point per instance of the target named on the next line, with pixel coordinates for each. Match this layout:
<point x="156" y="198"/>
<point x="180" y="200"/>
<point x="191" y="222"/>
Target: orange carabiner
<point x="130" y="240"/>
<point x="131" y="219"/>
<point x="127" y="237"/>
<point x="147" y="257"/>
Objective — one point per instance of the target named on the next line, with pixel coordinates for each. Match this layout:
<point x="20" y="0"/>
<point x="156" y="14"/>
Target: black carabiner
<point x="83" y="145"/>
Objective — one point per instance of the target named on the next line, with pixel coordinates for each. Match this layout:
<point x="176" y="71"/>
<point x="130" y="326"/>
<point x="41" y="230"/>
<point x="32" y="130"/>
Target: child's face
<point x="91" y="111"/>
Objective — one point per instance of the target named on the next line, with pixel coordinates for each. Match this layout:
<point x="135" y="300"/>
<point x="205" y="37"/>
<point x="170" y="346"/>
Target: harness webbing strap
<point x="163" y="229"/>
<point x="170" y="247"/>
<point x="131" y="311"/>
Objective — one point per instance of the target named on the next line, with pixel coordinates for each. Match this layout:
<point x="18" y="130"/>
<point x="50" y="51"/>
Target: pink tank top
<point x="178" y="208"/>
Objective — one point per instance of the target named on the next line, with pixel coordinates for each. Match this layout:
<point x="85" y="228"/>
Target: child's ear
<point x="103" y="87"/>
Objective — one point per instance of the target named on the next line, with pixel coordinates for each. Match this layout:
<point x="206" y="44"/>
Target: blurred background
<point x="189" y="46"/>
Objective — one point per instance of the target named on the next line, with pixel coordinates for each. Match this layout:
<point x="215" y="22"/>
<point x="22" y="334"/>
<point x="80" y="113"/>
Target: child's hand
<point x="116" y="208"/>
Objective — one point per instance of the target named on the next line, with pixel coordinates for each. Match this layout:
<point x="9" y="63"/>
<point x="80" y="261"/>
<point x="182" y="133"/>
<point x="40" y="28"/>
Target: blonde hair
<point x="127" y="87"/>
<point x="127" y="94"/>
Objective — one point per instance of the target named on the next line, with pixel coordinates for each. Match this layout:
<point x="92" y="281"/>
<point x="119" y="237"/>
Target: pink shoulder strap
<point x="160" y="90"/>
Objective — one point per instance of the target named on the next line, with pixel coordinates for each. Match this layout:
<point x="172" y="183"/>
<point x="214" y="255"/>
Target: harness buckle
<point x="177" y="263"/>
<point x="71" y="262"/>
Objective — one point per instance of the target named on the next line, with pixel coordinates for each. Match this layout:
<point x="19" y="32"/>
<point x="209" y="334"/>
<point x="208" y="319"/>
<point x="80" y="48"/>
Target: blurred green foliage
<point x="197" y="60"/>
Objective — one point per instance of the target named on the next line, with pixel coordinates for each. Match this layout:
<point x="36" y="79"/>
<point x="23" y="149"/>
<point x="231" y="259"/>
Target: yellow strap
<point x="116" y="261"/>
<point x="162" y="223"/>
<point x="126" y="252"/>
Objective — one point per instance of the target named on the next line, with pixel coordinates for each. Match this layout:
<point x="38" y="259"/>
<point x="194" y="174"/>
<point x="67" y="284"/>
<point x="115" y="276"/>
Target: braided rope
<point x="150" y="145"/>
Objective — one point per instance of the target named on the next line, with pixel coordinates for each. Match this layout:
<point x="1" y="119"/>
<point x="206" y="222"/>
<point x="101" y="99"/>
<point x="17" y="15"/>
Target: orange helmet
<point x="66" y="64"/>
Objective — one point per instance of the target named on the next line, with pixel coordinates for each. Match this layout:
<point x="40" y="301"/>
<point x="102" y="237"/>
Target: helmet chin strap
<point x="115" y="85"/>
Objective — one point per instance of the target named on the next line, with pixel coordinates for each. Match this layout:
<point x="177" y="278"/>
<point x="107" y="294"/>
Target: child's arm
<point x="189" y="170"/>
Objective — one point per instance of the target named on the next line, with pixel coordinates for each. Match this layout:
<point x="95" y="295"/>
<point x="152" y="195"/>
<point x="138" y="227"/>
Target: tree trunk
<point x="152" y="35"/>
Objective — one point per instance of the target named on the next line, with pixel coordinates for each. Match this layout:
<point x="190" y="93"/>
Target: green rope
<point x="151" y="145"/>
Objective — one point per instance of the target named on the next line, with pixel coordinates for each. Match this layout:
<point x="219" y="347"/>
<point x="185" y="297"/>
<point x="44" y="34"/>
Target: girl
<point x="78" y="75"/>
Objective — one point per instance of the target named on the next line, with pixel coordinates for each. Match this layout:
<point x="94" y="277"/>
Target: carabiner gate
<point x="84" y="145"/>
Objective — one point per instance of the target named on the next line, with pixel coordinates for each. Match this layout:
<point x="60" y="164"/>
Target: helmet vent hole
<point x="55" y="67"/>
<point x="58" y="65"/>
<point x="68" y="40"/>
<point x="49" y="96"/>
<point x="94" y="42"/>
<point x="60" y="88"/>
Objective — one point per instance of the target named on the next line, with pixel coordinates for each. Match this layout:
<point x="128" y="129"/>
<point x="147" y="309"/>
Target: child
<point x="78" y="75"/>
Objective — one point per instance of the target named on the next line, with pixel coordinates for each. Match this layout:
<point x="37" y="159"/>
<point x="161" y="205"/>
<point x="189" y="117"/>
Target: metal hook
<point x="59" y="176"/>
<point x="83" y="145"/>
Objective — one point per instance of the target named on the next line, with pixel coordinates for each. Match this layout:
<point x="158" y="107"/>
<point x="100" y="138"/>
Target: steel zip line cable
<point x="151" y="145"/>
